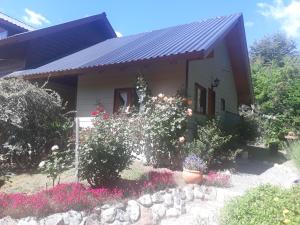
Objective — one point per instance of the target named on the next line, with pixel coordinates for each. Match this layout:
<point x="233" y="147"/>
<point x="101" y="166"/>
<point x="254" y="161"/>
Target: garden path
<point x="248" y="174"/>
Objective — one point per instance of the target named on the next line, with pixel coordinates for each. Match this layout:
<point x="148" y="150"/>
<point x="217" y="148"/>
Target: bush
<point x="294" y="152"/>
<point x="163" y="128"/>
<point x="266" y="205"/>
<point x="31" y="121"/>
<point x="210" y="144"/>
<point x="106" y="149"/>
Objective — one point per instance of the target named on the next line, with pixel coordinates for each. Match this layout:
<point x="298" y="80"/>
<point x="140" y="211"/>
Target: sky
<point x="261" y="17"/>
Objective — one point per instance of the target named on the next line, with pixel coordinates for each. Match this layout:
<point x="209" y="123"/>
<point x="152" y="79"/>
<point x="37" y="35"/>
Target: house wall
<point x="206" y="70"/>
<point x="163" y="77"/>
<point x="10" y="66"/>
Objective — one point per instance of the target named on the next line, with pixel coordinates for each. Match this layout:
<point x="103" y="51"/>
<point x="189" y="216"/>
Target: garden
<point x="186" y="158"/>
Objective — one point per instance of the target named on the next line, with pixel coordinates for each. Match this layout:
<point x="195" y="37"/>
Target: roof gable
<point x="12" y="25"/>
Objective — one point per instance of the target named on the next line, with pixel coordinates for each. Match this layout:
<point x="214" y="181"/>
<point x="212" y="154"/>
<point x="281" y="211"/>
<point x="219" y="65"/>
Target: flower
<point x="42" y="164"/>
<point x="286" y="221"/>
<point x="105" y="116"/>
<point x="189" y="112"/>
<point x="95" y="113"/>
<point x="276" y="199"/>
<point x="100" y="108"/>
<point x="181" y="139"/>
<point x="161" y="95"/>
<point x="165" y="98"/>
<point x="54" y="148"/>
<point x="285" y="211"/>
<point x="189" y="102"/>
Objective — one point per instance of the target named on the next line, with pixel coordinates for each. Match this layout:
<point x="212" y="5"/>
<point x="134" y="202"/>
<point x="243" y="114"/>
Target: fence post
<point x="76" y="148"/>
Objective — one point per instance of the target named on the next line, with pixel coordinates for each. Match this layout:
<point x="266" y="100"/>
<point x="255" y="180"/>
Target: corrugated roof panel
<point x="188" y="38"/>
<point x="15" y="22"/>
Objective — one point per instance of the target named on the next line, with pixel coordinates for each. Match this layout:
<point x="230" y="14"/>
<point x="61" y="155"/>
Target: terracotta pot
<point x="192" y="176"/>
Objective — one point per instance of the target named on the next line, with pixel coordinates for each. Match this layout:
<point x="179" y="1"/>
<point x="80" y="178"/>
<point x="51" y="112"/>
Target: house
<point x="207" y="59"/>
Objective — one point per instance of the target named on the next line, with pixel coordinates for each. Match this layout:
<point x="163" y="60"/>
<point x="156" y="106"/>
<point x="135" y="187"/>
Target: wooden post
<point x="76" y="148"/>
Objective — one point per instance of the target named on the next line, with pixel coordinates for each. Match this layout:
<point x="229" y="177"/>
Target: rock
<point x="120" y="205"/>
<point x="133" y="210"/>
<point x="8" y="221"/>
<point x="189" y="193"/>
<point x="116" y="222"/>
<point x="55" y="219"/>
<point x="28" y="221"/>
<point x="146" y="217"/>
<point x="122" y="216"/>
<point x="105" y="206"/>
<point x="172" y="212"/>
<point x="72" y="217"/>
<point x="145" y="200"/>
<point x="109" y="215"/>
<point x="93" y="219"/>
<point x="168" y="200"/>
<point x="179" y="204"/>
<point x="198" y="193"/>
<point x="97" y="210"/>
<point x="157" y="197"/>
<point x="159" y="210"/>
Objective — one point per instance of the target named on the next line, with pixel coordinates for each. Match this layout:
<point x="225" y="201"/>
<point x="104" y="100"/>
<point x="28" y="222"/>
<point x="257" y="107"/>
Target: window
<point x="200" y="99"/>
<point x="124" y="97"/>
<point x="3" y="33"/>
<point x="223" y="104"/>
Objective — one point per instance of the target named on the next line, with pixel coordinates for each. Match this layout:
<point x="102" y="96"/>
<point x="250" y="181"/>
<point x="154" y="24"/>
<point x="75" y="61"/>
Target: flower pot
<point x="192" y="176"/>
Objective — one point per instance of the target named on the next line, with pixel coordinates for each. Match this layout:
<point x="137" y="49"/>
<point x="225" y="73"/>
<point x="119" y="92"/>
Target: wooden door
<point x="211" y="103"/>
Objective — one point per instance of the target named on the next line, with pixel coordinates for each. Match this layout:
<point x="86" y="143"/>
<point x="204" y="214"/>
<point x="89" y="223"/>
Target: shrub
<point x="266" y="205"/>
<point x="210" y="144"/>
<point x="31" y="121"/>
<point x="106" y="149"/>
<point x="163" y="128"/>
<point x="217" y="179"/>
<point x="294" y="152"/>
<point x="192" y="162"/>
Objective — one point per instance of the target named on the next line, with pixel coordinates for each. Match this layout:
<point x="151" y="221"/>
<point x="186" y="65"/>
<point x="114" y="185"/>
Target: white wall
<point x="206" y="70"/>
<point x="99" y="87"/>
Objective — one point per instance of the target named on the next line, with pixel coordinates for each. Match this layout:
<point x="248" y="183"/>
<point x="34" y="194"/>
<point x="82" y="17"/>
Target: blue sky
<point x="133" y="16"/>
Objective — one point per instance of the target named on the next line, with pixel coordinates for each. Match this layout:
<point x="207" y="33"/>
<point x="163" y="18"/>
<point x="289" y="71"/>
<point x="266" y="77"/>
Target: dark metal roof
<point x="30" y="35"/>
<point x="197" y="37"/>
<point x="16" y="23"/>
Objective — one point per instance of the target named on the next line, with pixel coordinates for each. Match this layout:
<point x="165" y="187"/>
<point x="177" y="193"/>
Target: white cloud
<point x="119" y="34"/>
<point x="249" y="24"/>
<point x="288" y="15"/>
<point x="35" y="18"/>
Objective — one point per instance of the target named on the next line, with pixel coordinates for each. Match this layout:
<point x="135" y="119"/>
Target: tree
<point x="273" y="48"/>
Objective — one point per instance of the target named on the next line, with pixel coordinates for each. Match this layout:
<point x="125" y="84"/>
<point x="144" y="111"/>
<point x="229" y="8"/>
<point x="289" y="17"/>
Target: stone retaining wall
<point x="146" y="210"/>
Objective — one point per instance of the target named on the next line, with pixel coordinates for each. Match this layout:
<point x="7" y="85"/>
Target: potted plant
<point x="193" y="169"/>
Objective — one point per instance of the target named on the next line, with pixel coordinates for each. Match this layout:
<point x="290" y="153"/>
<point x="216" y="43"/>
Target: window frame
<point x="132" y="95"/>
<point x="202" y="89"/>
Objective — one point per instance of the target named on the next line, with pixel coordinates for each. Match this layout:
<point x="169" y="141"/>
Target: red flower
<point x="105" y="116"/>
<point x="95" y="113"/>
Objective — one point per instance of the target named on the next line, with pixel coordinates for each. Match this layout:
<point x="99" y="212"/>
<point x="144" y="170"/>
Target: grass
<point x="294" y="151"/>
<point x="30" y="183"/>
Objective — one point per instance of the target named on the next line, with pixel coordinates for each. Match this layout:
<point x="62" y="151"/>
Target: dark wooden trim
<point x="196" y="87"/>
<point x="211" y="104"/>
<point x="187" y="64"/>
<point x="130" y="90"/>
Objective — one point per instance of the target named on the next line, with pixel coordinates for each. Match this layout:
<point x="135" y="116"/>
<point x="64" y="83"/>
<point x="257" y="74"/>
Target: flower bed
<point x="76" y="196"/>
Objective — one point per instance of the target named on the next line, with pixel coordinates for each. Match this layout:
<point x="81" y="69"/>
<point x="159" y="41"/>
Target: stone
<point x="159" y="210"/>
<point x="146" y="217"/>
<point x="109" y="215"/>
<point x="105" y="206"/>
<point x="179" y="204"/>
<point x="133" y="210"/>
<point x="157" y="197"/>
<point x="93" y="219"/>
<point x="198" y="193"/>
<point x="97" y="210"/>
<point x="8" y="221"/>
<point x="189" y="193"/>
<point x="168" y="200"/>
<point x="28" y="221"/>
<point x="55" y="219"/>
<point x="122" y="216"/>
<point x="172" y="212"/>
<point x="120" y="205"/>
<point x="145" y="200"/>
<point x="116" y="222"/>
<point x="72" y="217"/>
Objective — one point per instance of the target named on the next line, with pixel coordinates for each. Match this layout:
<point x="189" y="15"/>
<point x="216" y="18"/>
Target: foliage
<point x="163" y="125"/>
<point x="142" y="90"/>
<point x="210" y="144"/>
<point x="58" y="161"/>
<point x="272" y="48"/>
<point x="106" y="149"/>
<point x="76" y="196"/>
<point x="193" y="162"/>
<point x="294" y="152"/>
<point x="217" y="179"/>
<point x="268" y="205"/>
<point x="31" y="121"/>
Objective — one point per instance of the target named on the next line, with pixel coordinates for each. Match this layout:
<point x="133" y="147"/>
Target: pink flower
<point x="181" y="139"/>
<point x="105" y="116"/>
<point x="189" y="112"/>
